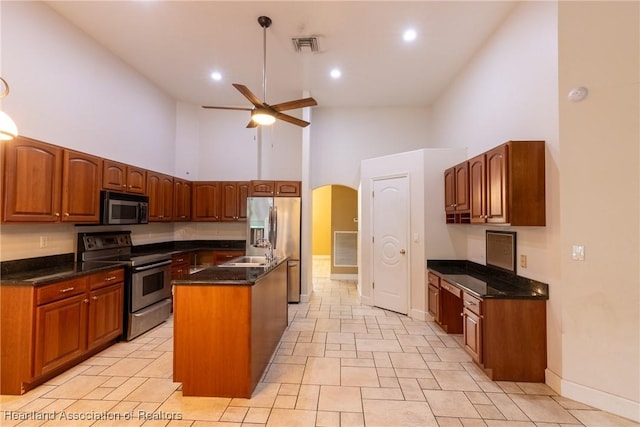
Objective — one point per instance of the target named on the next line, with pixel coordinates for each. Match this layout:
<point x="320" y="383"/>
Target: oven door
<point x="150" y="284"/>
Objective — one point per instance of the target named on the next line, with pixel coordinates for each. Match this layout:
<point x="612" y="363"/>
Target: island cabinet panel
<point x="225" y="335"/>
<point x="212" y="340"/>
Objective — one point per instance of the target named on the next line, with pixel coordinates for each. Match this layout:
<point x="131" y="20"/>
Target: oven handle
<point x="150" y="266"/>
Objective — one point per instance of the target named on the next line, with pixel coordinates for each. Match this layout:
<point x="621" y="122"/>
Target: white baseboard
<point x="599" y="399"/>
<point x="353" y="277"/>
<point x="417" y="314"/>
<point x="366" y="300"/>
<point x="553" y="380"/>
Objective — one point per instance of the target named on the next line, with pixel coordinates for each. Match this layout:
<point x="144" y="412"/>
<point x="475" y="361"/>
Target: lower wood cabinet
<point x="50" y="328"/>
<point x="180" y="265"/>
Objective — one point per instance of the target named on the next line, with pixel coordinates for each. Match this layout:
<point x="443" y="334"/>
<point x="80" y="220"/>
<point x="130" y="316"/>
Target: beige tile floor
<point x="338" y="364"/>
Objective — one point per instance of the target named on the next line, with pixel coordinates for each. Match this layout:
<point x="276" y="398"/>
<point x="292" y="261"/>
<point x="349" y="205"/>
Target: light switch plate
<point x="578" y="253"/>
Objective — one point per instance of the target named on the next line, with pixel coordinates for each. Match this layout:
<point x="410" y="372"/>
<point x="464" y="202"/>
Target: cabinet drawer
<point x="177" y="260"/>
<point x="472" y="303"/>
<point x="449" y="287"/>
<point x="433" y="279"/>
<point x="58" y="291"/>
<point x="105" y="278"/>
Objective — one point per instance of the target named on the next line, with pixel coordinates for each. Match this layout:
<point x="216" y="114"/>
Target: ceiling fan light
<point x="262" y="117"/>
<point x="8" y="128"/>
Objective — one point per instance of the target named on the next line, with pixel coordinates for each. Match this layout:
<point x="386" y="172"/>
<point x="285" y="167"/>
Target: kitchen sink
<point x="248" y="261"/>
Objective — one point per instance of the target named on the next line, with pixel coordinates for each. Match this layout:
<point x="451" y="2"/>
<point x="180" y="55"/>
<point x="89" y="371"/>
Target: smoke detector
<point x="305" y="44"/>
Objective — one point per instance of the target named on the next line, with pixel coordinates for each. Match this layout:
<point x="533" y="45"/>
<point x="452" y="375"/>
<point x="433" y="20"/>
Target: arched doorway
<point x="335" y="232"/>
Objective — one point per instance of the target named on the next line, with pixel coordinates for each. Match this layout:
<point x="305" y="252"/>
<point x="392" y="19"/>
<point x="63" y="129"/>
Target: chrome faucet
<point x="265" y="243"/>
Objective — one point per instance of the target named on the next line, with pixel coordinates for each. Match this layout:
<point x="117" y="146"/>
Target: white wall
<point x="67" y="90"/>
<point x="599" y="46"/>
<point x="342" y="137"/>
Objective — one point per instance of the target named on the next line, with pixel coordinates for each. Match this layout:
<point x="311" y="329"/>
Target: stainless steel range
<point x="147" y="296"/>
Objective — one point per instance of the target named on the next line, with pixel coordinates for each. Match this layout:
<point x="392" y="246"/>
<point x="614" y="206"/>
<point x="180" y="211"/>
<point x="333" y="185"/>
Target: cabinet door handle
<point x="86" y="300"/>
<point x="62" y="291"/>
<point x="95" y="298"/>
<point x="124" y="185"/>
<point x="66" y="214"/>
<point x="110" y="278"/>
<point x="57" y="214"/>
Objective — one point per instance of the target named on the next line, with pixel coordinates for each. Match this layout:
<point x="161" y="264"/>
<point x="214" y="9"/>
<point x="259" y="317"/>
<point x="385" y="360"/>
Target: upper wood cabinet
<point x="125" y="178"/>
<point x="81" y="178"/>
<point x="234" y="200"/>
<point x="275" y="188"/>
<point x="181" y="200"/>
<point x="45" y="183"/>
<point x="205" y="204"/>
<point x="160" y="191"/>
<point x="456" y="193"/>
<point x="507" y="185"/>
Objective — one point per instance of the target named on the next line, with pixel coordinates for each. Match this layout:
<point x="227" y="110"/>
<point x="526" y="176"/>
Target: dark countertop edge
<point x="522" y="286"/>
<point x="259" y="272"/>
<point x="59" y="273"/>
<point x="181" y="246"/>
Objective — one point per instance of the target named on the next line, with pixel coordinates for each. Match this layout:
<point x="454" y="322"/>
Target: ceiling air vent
<point x="305" y="44"/>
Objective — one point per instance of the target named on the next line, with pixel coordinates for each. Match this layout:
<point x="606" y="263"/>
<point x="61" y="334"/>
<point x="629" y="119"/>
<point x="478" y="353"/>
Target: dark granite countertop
<point x="486" y="282"/>
<point x="49" y="269"/>
<point x="218" y="275"/>
<point x="45" y="270"/>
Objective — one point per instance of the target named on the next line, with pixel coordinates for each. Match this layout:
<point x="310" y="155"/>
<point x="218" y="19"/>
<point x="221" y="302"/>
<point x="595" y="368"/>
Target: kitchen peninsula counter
<point x="227" y="324"/>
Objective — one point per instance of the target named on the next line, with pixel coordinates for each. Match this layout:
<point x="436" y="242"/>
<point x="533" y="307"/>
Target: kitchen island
<point x="227" y="324"/>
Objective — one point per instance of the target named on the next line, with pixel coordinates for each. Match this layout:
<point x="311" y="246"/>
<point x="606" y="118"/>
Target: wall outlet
<point x="44" y="241"/>
<point x="523" y="261"/>
<point x="577" y="253"/>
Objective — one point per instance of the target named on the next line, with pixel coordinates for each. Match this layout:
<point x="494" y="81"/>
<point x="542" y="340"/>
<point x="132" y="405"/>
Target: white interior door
<point x="390" y="251"/>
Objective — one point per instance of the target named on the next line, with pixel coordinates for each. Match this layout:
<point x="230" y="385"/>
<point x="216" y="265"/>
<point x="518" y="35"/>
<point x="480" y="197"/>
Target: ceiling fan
<point x="263" y="113"/>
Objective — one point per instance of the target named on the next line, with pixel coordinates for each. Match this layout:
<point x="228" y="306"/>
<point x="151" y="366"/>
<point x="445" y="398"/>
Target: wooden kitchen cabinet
<point x="181" y="200"/>
<point x="507" y="185"/>
<point x="433" y="296"/>
<point x="45" y="183"/>
<point x="472" y="322"/>
<point x="124" y="178"/>
<point x="81" y="182"/>
<point x="160" y="192"/>
<point x="234" y="200"/>
<point x="456" y="194"/>
<point x="206" y="201"/>
<point x="222" y="256"/>
<point x="32" y="181"/>
<point x="52" y="327"/>
<point x="180" y="265"/>
<point x="260" y="188"/>
<point x="106" y="302"/>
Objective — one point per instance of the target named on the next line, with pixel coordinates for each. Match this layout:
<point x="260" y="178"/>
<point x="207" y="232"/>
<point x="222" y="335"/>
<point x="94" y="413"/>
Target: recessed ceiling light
<point x="216" y="76"/>
<point x="335" y="73"/>
<point x="409" y="35"/>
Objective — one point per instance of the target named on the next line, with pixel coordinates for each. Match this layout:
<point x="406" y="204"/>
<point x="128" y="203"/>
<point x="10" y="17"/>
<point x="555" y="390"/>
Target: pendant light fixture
<point x="8" y="128"/>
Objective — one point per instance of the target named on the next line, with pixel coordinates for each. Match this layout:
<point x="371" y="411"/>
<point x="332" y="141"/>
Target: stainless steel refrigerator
<point x="276" y="219"/>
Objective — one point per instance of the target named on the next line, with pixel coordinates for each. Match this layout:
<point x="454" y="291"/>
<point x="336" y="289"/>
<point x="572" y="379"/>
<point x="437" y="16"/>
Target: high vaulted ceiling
<point x="177" y="44"/>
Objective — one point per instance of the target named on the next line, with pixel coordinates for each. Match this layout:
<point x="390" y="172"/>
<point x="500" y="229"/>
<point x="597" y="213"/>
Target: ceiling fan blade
<point x="292" y="120"/>
<point x="227" y="108"/>
<point x="248" y="94"/>
<point x="298" y="103"/>
<point x="252" y="124"/>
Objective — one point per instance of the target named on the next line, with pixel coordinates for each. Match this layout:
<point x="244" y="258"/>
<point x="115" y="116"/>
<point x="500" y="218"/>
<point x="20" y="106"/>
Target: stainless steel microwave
<point x="122" y="208"/>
